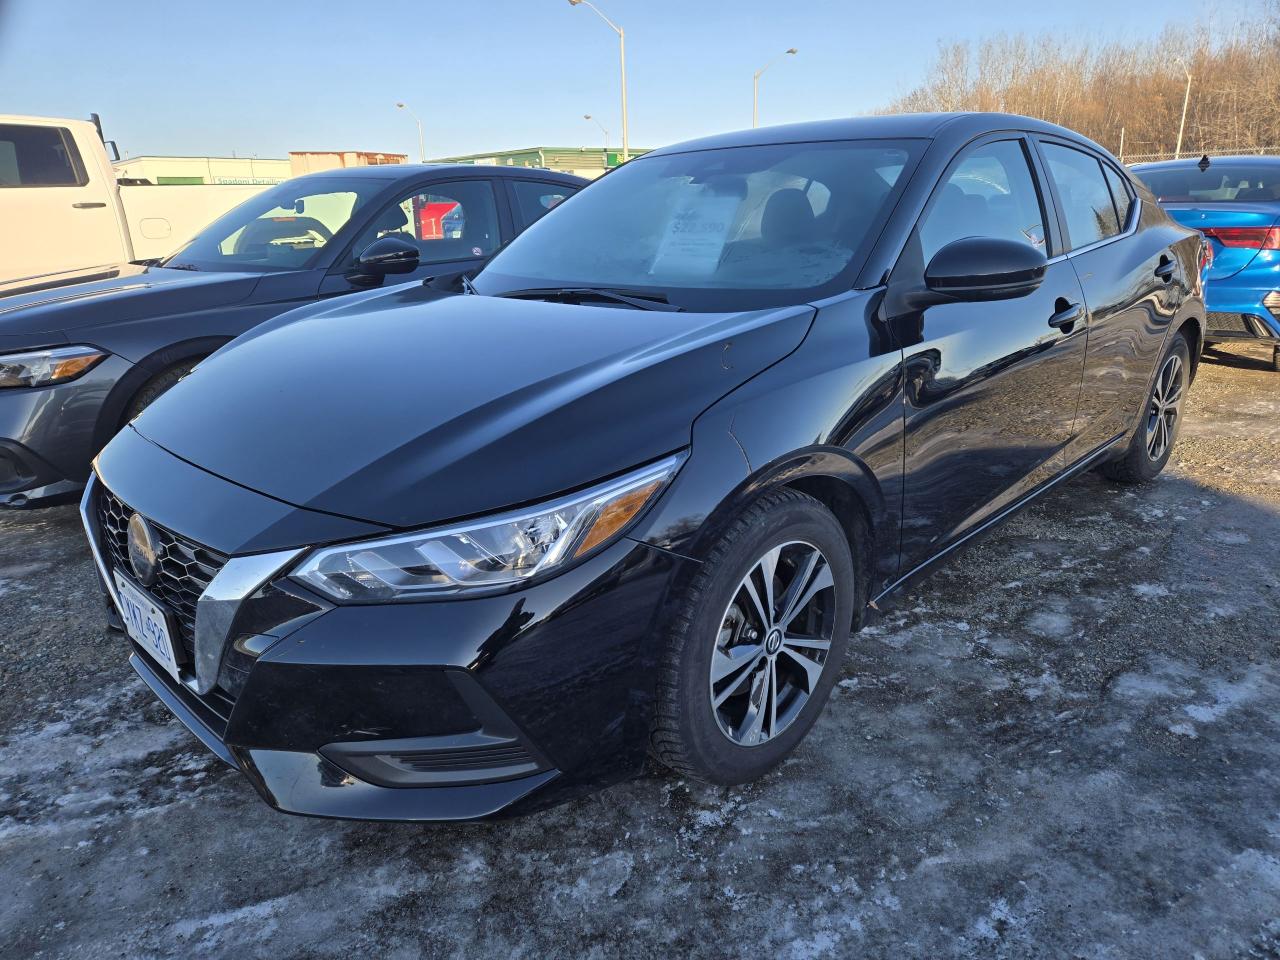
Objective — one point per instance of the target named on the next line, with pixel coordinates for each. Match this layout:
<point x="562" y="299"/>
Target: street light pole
<point x="622" y="62"/>
<point x="755" y="86"/>
<point x="587" y="116"/>
<point x="1186" y="98"/>
<point x="422" y="151"/>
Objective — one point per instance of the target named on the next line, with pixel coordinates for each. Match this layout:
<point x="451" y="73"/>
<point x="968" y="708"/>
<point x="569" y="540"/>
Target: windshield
<point x="284" y="228"/>
<point x="727" y="229"/>
<point x="1233" y="182"/>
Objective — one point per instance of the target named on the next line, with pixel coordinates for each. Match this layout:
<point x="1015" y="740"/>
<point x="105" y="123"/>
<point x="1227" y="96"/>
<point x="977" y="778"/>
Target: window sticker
<point x="696" y="234"/>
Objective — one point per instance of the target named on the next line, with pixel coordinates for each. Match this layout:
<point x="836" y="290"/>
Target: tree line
<point x="1103" y="89"/>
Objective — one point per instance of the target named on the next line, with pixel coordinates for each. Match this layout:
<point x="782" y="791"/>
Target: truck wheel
<point x="756" y="642"/>
<point x="1153" y="441"/>
<point x="157" y="385"/>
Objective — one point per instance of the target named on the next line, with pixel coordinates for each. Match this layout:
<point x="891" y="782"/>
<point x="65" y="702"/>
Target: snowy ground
<point x="1065" y="745"/>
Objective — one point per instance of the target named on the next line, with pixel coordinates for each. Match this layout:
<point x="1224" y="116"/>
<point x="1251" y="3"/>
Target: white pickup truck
<point x="62" y="211"/>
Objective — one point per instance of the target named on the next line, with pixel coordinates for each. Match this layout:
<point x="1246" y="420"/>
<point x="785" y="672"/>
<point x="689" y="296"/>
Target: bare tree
<point x="1101" y="90"/>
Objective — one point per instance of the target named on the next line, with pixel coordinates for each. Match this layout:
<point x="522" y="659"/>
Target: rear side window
<point x="39" y="157"/>
<point x="534" y="200"/>
<point x="1120" y="194"/>
<point x="988" y="193"/>
<point x="1084" y="194"/>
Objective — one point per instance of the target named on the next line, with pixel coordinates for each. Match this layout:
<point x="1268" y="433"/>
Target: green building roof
<point x="553" y="158"/>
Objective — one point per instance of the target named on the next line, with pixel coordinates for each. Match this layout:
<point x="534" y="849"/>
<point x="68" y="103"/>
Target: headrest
<point x="787" y="218"/>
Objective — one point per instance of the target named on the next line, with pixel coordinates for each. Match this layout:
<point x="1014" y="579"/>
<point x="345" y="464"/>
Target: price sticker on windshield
<point x="696" y="235"/>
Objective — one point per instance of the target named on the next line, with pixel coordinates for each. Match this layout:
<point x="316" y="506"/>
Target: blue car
<point x="1235" y="203"/>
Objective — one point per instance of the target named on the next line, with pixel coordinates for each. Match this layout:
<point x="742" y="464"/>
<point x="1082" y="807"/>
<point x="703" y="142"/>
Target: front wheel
<point x="156" y="387"/>
<point x="756" y="641"/>
<point x="1153" y="441"/>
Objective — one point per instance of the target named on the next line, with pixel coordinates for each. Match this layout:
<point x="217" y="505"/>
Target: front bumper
<point x="444" y="710"/>
<point x="48" y="435"/>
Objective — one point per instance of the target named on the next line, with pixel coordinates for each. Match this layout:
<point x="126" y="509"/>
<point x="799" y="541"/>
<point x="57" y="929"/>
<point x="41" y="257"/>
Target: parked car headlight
<point x="36" y="368"/>
<point x="483" y="554"/>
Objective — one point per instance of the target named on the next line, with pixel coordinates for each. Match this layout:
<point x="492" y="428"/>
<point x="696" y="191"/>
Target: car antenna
<point x="1204" y="163"/>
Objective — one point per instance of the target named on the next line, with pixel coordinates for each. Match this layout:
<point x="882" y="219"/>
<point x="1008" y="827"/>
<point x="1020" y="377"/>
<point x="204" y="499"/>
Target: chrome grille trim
<point x="205" y="615"/>
<point x="219" y="603"/>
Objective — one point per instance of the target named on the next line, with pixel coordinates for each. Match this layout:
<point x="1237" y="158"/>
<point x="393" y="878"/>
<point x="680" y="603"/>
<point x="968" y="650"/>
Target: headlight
<point x="485" y="554"/>
<point x="37" y="368"/>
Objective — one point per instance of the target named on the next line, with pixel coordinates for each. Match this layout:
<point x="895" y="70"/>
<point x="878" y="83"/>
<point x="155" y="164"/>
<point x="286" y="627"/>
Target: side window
<point x="447" y="221"/>
<point x="988" y="193"/>
<point x="39" y="157"/>
<point x="1083" y="192"/>
<point x="534" y="199"/>
<point x="1120" y="194"/>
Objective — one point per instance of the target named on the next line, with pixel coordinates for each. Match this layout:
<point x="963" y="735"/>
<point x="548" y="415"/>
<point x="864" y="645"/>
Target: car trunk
<point x="1237" y="231"/>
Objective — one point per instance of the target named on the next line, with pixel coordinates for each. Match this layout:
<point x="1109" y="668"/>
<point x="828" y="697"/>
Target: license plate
<point x="146" y="624"/>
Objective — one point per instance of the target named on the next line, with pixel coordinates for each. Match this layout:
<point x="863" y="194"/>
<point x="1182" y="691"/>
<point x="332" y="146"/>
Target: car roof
<point x="413" y="171"/>
<point x="1264" y="159"/>
<point x="900" y="126"/>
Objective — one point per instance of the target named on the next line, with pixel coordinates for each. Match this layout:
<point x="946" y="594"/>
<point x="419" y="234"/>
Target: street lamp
<point x="622" y="60"/>
<point x="587" y="116"/>
<point x="755" y="86"/>
<point x="422" y="152"/>
<point x="1186" y="98"/>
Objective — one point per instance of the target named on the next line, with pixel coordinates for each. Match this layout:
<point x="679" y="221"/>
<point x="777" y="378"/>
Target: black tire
<point x="1275" y="359"/>
<point x="155" y="387"/>
<point x="1137" y="464"/>
<point x="687" y="734"/>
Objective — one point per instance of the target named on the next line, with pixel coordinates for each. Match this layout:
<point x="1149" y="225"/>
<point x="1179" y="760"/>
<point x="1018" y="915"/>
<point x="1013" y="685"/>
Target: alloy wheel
<point x="1166" y="406"/>
<point x="773" y="643"/>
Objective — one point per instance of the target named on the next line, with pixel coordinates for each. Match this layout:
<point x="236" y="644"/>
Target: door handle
<point x="1066" y="318"/>
<point x="85" y="205"/>
<point x="1166" y="269"/>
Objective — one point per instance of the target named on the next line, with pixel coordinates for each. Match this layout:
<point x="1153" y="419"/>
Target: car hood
<point x="1227" y="261"/>
<point x="408" y="414"/>
<point x="63" y="302"/>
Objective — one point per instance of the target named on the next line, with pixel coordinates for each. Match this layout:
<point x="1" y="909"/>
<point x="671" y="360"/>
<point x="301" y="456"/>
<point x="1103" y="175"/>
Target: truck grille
<point x="185" y="567"/>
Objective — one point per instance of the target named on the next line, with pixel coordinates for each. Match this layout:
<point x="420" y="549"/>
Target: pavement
<point x="1065" y="744"/>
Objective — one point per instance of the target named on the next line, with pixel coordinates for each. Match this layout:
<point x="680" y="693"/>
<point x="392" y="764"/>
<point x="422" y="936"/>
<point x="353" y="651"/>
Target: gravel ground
<point x="1066" y="744"/>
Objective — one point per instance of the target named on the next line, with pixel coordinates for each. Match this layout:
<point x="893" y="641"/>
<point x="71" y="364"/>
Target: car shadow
<point x="1243" y="357"/>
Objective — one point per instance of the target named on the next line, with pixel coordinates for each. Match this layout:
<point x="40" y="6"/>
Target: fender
<point x="829" y="422"/>
<point x="109" y="417"/>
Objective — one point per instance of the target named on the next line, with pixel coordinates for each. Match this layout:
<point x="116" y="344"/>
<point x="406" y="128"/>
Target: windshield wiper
<point x="632" y="298"/>
<point x="181" y="266"/>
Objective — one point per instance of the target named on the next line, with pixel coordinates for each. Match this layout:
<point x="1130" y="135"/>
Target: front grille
<point x="185" y="569"/>
<point x="1220" y="322"/>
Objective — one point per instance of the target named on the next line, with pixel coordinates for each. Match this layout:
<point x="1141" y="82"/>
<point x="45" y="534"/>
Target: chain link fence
<point x="1192" y="154"/>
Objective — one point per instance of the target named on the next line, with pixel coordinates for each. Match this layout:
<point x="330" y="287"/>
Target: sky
<point x="224" y="77"/>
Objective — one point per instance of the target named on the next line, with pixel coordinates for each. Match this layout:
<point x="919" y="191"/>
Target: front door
<point x="454" y="224"/>
<point x="55" y="215"/>
<point x="991" y="388"/>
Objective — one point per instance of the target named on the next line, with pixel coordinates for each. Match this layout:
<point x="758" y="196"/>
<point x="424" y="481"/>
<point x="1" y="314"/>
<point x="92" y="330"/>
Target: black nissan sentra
<point x="634" y="491"/>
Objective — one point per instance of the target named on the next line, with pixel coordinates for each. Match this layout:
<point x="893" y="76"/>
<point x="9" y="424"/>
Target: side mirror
<point x="384" y="256"/>
<point x="983" y="268"/>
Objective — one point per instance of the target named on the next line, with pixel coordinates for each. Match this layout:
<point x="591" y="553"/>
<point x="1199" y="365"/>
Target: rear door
<point x="1133" y="283"/>
<point x="991" y="388"/>
<point x="56" y="215"/>
<point x="531" y="200"/>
